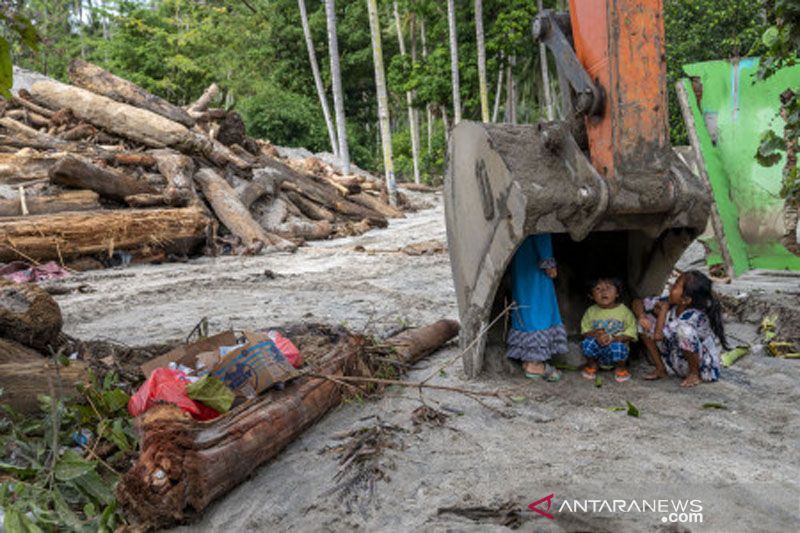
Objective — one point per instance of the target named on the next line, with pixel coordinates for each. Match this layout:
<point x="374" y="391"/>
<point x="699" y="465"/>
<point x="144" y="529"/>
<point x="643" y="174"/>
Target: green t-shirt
<point x="618" y="320"/>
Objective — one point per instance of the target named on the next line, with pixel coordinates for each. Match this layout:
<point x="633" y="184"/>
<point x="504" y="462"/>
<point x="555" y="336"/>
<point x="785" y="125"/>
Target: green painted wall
<point x="735" y="109"/>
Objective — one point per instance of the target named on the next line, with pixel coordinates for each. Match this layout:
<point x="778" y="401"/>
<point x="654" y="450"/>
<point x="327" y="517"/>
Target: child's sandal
<point x="589" y="372"/>
<point x="621" y="375"/>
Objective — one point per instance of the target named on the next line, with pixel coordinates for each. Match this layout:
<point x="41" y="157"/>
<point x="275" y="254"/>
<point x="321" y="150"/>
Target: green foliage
<point x="702" y="30"/>
<point x="52" y="480"/>
<point x="781" y="40"/>
<point x="20" y="27"/>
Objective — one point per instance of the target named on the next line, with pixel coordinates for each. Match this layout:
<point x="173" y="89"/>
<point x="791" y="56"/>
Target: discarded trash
<point x="714" y="405"/>
<point x="254" y="367"/>
<point x="632" y="409"/>
<point x="22" y="272"/>
<point x="768" y="326"/>
<point x="730" y="357"/>
<point x="167" y="385"/>
<point x="211" y="392"/>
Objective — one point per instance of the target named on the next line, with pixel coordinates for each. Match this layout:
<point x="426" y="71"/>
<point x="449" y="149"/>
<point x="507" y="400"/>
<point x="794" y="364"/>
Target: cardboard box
<point x="186" y="354"/>
<point x="254" y="367"/>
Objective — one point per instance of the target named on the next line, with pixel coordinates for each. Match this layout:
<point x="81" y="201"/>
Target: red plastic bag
<point x="167" y="385"/>
<point x="287" y="348"/>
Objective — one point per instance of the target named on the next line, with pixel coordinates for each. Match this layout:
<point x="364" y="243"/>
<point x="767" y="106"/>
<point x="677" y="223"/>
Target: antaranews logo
<point x="671" y="511"/>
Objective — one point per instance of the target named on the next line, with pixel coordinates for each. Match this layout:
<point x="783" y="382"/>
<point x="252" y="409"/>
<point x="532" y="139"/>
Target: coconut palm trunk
<point x="451" y="24"/>
<point x="484" y="92"/>
<point x="383" y="100"/>
<point x="409" y="100"/>
<point x="498" y="91"/>
<point x="548" y="100"/>
<point x="312" y="58"/>
<point x="336" y="82"/>
<point x="428" y="110"/>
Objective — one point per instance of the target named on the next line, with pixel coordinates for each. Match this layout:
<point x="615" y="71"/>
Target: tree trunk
<point x="312" y="58"/>
<point x="498" y="91"/>
<point x="336" y="83"/>
<point x="304" y="229"/>
<point x="414" y="344"/>
<point x="28" y="315"/>
<point x="31" y="106"/>
<point x="185" y="465"/>
<point x="201" y="104"/>
<point x="131" y="122"/>
<point x="548" y="100"/>
<point x="27" y="136"/>
<point x="375" y="204"/>
<point x="19" y="168"/>
<point x="25" y="374"/>
<point x="312" y="210"/>
<point x="79" y="173"/>
<point x="428" y="112"/>
<point x="383" y="100"/>
<point x="484" y="92"/>
<point x="409" y="101"/>
<point x="178" y="169"/>
<point x="100" y="81"/>
<point x="40" y="205"/>
<point x="451" y="24"/>
<point x="66" y="235"/>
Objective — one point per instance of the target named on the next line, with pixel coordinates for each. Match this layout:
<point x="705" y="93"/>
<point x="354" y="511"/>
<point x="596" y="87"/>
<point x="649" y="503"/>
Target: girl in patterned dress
<point x="537" y="332"/>
<point x="679" y="331"/>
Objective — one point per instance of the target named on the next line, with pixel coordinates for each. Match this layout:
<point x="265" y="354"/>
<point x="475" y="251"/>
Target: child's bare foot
<point x="654" y="375"/>
<point x="691" y="380"/>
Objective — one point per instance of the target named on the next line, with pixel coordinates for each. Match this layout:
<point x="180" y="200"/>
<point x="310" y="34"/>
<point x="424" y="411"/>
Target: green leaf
<point x="71" y="466"/>
<point x="65" y="514"/>
<point x="518" y="399"/>
<point x="89" y="510"/>
<point x="114" y="400"/>
<point x="632" y="410"/>
<point x="110" y="380"/>
<point x="109" y="517"/>
<point x="211" y="392"/>
<point x="770" y="36"/>
<point x="95" y="487"/>
<point x="6" y="69"/>
<point x="615" y="408"/>
<point x="770" y="148"/>
<point x="598" y="381"/>
<point x="730" y="357"/>
<point x="19" y="472"/>
<point x="118" y="436"/>
<point x="17" y="522"/>
<point x="714" y="405"/>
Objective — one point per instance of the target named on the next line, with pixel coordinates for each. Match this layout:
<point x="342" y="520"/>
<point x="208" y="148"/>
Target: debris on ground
<point x="100" y="167"/>
<point x="506" y="514"/>
<point x="425" y="414"/>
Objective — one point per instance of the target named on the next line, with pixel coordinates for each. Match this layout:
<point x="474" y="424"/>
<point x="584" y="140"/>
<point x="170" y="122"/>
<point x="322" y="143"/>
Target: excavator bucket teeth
<point x="505" y="182"/>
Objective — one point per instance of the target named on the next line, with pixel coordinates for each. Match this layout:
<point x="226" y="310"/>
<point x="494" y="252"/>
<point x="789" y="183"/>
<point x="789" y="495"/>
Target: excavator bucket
<point x="623" y="203"/>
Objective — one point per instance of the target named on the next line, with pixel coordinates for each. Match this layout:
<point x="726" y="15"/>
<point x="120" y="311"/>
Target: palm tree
<point x="499" y="89"/>
<point x="428" y="111"/>
<point x="481" y="61"/>
<point x="383" y="100"/>
<point x="548" y="101"/>
<point x="336" y="81"/>
<point x="412" y="116"/>
<point x="451" y="23"/>
<point x="312" y="58"/>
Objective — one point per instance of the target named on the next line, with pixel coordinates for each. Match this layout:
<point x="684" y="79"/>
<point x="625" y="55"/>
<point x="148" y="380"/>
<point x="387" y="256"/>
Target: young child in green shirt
<point x="608" y="328"/>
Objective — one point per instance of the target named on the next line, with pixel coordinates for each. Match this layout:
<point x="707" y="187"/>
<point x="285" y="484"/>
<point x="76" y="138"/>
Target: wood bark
<point x="136" y="124"/>
<point x="417" y="343"/>
<point x="178" y="169"/>
<point x="201" y="104"/>
<point x="233" y="214"/>
<point x="25" y="374"/>
<point x="79" y="132"/>
<point x="27" y="104"/>
<point x="409" y="99"/>
<point x="25" y="166"/>
<point x="41" y="139"/>
<point x="336" y="86"/>
<point x="311" y="209"/>
<point x="185" y="465"/>
<point x="304" y="229"/>
<point x="482" y="83"/>
<point x="80" y="173"/>
<point x="28" y="315"/>
<point x="65" y="235"/>
<point x="451" y="25"/>
<point x="376" y="205"/>
<point x="88" y="76"/>
<point x="32" y="118"/>
<point x="40" y="205"/>
<point x="133" y="159"/>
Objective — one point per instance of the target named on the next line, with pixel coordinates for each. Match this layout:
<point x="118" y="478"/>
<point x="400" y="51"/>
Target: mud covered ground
<point x="481" y="469"/>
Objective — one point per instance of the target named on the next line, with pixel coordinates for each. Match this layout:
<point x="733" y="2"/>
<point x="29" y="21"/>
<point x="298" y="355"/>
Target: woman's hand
<point x="551" y="272"/>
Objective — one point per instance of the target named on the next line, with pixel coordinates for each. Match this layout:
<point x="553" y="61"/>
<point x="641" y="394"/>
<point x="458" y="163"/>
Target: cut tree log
<point x="41" y="205"/>
<point x="26" y="165"/>
<point x="202" y="103"/>
<point x="275" y="214"/>
<point x="79" y="132"/>
<point x="25" y="374"/>
<point x="133" y="159"/>
<point x="100" y="81"/>
<point x="375" y="204"/>
<point x="148" y="200"/>
<point x="178" y="169"/>
<point x="80" y="173"/>
<point x="28" y="315"/>
<point x="136" y="124"/>
<point x="304" y="229"/>
<point x="311" y="209"/>
<point x="27" y="104"/>
<point x="414" y="344"/>
<point x="16" y="128"/>
<point x="35" y="119"/>
<point x="185" y="465"/>
<point x="234" y="215"/>
<point x="67" y="235"/>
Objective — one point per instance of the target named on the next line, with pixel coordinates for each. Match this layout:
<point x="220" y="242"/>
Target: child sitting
<point x="608" y="327"/>
<point x="679" y="331"/>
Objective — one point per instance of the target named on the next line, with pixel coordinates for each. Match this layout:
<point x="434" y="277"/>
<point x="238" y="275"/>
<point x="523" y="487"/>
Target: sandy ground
<point x="485" y="463"/>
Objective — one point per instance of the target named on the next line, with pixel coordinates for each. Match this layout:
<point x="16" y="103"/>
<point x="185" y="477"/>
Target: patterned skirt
<point x="536" y="346"/>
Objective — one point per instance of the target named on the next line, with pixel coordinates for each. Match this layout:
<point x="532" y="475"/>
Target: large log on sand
<point x="28" y="315"/>
<point x="100" y="81"/>
<point x="184" y="465"/>
<point x="25" y="374"/>
<point x="80" y="173"/>
<point x="40" y="205"/>
<point x="131" y="122"/>
<point x="63" y="235"/>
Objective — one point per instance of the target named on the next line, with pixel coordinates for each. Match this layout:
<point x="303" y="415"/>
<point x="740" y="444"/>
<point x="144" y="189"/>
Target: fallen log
<point x="311" y="209"/>
<point x="41" y="139"/>
<point x="25" y="374"/>
<point x="136" y="124"/>
<point x="147" y="200"/>
<point x="418" y="187"/>
<point x="80" y="173"/>
<point x="27" y="104"/>
<point x="376" y="204"/>
<point x="79" y="132"/>
<point x="42" y="205"/>
<point x="26" y="165"/>
<point x="28" y="315"/>
<point x="66" y="235"/>
<point x="100" y="81"/>
<point x="34" y="119"/>
<point x="233" y="214"/>
<point x="414" y="344"/>
<point x="304" y="229"/>
<point x="178" y="169"/>
<point x="202" y="103"/>
<point x="135" y="159"/>
<point x="185" y="465"/>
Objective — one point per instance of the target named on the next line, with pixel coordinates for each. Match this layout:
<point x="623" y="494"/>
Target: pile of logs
<point x="101" y="165"/>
